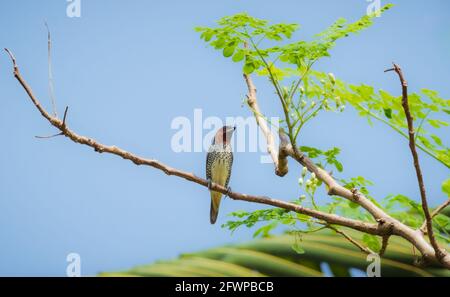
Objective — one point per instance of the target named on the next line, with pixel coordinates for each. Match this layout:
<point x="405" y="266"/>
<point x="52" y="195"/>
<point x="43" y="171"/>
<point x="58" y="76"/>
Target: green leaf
<point x="311" y="151"/>
<point x="303" y="218"/>
<point x="249" y="68"/>
<point x="437" y="123"/>
<point x="372" y="242"/>
<point x="238" y="56"/>
<point x="338" y="165"/>
<point x="228" y="51"/>
<point x="388" y="113"/>
<point x="353" y="205"/>
<point x="208" y="35"/>
<point x="446" y="187"/>
<point x="297" y="248"/>
<point x="265" y="230"/>
<point x="436" y="139"/>
<point x="219" y="43"/>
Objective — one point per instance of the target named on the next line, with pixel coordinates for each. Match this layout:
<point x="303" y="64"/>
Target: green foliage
<point x="264" y="215"/>
<point x="427" y="108"/>
<point x="404" y="202"/>
<point x="268" y="50"/>
<point x="239" y="36"/>
<point x="265" y="48"/>
<point x="298" y="249"/>
<point x="286" y="256"/>
<point x="410" y="213"/>
<point x="268" y="218"/>
<point x="347" y="208"/>
<point x="324" y="158"/>
<point x="446" y="187"/>
<point x="372" y="242"/>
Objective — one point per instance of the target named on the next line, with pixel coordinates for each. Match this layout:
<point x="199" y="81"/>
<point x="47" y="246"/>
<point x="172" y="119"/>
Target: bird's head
<point x="223" y="135"/>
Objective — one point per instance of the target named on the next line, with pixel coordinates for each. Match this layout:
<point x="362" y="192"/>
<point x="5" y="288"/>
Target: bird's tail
<point x="215" y="203"/>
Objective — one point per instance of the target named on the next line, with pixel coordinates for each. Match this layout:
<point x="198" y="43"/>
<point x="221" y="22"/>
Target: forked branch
<point x="412" y="145"/>
<point x="61" y="125"/>
<point x="385" y="226"/>
<point x="390" y="225"/>
<point x="280" y="167"/>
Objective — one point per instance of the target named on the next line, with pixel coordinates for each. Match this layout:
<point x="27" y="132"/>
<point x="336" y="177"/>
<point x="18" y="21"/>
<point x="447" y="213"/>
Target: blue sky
<point x="126" y="70"/>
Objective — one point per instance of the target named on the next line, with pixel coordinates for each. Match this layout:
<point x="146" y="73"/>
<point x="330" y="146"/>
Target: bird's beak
<point x="230" y="130"/>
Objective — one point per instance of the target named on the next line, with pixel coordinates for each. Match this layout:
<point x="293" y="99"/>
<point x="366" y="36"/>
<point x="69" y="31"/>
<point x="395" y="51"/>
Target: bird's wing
<point x="229" y="171"/>
<point x="208" y="165"/>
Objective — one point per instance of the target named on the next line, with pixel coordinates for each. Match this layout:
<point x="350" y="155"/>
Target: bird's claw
<point x="227" y="194"/>
<point x="209" y="184"/>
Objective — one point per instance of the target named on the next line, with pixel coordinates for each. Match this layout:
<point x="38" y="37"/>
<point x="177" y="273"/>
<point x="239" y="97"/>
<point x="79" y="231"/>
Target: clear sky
<point x="127" y="69"/>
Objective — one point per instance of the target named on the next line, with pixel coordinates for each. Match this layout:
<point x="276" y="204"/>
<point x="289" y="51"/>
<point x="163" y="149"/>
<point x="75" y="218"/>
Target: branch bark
<point x="282" y="168"/>
<point x="412" y="145"/>
<point x="286" y="149"/>
<point x="279" y="162"/>
<point x="101" y="148"/>
<point x="384" y="245"/>
<point x="386" y="225"/>
<point x="390" y="225"/>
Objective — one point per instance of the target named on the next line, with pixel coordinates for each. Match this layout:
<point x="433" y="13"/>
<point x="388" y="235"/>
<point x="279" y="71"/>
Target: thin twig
<point x="279" y="93"/>
<point x="351" y="240"/>
<point x="64" y="117"/>
<point x="51" y="88"/>
<point x="412" y="146"/>
<point x="419" y="128"/>
<point x="49" y="136"/>
<point x="13" y="59"/>
<point x="62" y="127"/>
<point x="438" y="209"/>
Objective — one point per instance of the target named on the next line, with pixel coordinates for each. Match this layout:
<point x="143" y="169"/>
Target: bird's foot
<point x="209" y="184"/>
<point x="227" y="193"/>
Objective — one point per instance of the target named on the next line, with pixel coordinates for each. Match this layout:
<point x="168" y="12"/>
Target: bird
<point x="219" y="161"/>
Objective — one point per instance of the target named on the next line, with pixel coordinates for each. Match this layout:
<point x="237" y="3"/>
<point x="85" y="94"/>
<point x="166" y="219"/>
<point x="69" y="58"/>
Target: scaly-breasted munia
<point x="218" y="166"/>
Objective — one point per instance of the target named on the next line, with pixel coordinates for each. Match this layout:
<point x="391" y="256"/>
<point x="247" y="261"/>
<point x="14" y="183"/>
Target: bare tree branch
<point x="262" y="123"/>
<point x="386" y="225"/>
<point x="63" y="127"/>
<point x="288" y="150"/>
<point x="412" y="145"/>
<point x="390" y="225"/>
<point x="101" y="148"/>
